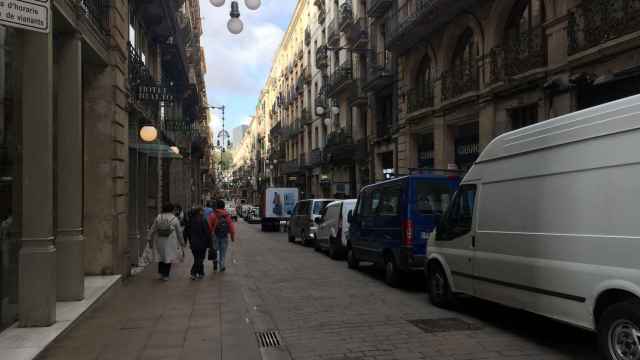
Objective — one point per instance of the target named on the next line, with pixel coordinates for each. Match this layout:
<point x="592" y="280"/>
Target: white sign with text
<point x="31" y="15"/>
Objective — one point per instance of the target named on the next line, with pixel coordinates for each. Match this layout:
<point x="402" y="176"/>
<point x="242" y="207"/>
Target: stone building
<point x="76" y="184"/>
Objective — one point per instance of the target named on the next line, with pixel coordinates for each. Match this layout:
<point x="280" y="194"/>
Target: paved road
<point x="322" y="310"/>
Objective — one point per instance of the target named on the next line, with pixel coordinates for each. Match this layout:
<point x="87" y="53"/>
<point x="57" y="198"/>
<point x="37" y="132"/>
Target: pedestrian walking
<point x="200" y="237"/>
<point x="222" y="228"/>
<point x="165" y="238"/>
<point x="208" y="209"/>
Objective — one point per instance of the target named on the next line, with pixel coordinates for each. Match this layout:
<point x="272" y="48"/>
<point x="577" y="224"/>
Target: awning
<point x="158" y="150"/>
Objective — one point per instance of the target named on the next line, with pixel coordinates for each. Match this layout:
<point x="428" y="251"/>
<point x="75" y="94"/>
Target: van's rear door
<point x="430" y="199"/>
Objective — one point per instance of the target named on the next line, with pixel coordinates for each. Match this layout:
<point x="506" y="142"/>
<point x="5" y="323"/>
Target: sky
<point x="238" y="65"/>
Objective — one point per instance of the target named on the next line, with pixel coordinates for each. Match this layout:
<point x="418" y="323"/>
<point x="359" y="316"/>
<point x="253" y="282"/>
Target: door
<point x="387" y="230"/>
<point x="360" y="226"/>
<point x="455" y="238"/>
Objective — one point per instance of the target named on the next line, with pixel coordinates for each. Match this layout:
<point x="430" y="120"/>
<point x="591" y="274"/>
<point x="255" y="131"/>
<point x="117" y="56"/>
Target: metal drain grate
<point x="444" y="325"/>
<point x="268" y="339"/>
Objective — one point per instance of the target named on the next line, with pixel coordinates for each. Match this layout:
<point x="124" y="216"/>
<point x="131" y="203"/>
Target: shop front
<point x="425" y="151"/>
<point x="467" y="145"/>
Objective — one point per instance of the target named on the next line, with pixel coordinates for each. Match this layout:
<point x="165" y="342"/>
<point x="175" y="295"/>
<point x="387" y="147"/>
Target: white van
<point x="548" y="220"/>
<point x="333" y="228"/>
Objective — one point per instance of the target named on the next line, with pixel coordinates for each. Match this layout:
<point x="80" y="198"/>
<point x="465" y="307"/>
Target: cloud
<point x="238" y="65"/>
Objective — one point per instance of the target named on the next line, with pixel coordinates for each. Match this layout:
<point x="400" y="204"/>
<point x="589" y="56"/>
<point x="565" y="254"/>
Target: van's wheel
<point x="352" y="260"/>
<point x="316" y="245"/>
<point x="304" y="239"/>
<point x="439" y="290"/>
<point x="619" y="331"/>
<point x="291" y="237"/>
<point x="333" y="252"/>
<point x="391" y="275"/>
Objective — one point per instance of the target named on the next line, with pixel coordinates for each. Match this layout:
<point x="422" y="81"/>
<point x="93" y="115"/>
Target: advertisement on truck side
<point x="280" y="202"/>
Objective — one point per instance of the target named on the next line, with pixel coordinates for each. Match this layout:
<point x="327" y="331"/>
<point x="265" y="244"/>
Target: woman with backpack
<point x="221" y="227"/>
<point x="200" y="239"/>
<point x="165" y="238"/>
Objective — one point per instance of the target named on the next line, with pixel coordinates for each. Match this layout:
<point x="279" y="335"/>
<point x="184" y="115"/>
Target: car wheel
<point x="291" y="237"/>
<point x="304" y="239"/>
<point x="391" y="275"/>
<point x="316" y="245"/>
<point x="439" y="290"/>
<point x="352" y="260"/>
<point x="619" y="331"/>
<point x="333" y="252"/>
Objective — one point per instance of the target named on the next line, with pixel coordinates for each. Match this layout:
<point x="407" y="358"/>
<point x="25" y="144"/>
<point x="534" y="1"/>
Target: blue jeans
<point x="221" y="245"/>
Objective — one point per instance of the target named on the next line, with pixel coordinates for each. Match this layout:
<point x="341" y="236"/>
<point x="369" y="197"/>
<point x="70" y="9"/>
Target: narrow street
<point x="321" y="309"/>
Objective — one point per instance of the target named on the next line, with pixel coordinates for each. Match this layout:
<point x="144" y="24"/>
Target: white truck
<point x="277" y="206"/>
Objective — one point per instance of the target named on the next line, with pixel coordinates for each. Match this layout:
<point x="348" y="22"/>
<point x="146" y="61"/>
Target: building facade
<point x="77" y="186"/>
<point x="365" y="90"/>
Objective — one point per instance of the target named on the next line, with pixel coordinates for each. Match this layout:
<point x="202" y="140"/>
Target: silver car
<point x="302" y="222"/>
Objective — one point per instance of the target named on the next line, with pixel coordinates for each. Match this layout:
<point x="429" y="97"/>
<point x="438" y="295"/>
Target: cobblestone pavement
<point x="322" y="310"/>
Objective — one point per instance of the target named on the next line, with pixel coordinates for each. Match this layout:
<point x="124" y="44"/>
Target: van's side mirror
<point x="350" y="216"/>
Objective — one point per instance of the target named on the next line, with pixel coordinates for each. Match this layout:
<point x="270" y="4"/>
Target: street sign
<point x="31" y="15"/>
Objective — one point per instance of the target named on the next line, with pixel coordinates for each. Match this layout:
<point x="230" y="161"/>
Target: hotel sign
<point x="31" y="15"/>
<point x="154" y="93"/>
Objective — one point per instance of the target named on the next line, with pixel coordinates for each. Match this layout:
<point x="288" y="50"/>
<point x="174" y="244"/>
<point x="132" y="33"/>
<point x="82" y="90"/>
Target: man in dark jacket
<point x="200" y="237"/>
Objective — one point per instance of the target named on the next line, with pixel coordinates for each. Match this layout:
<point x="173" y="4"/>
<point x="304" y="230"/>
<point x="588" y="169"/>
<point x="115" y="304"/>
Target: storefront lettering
<point x="154" y="93"/>
<point x="25" y="15"/>
<point x="467" y="149"/>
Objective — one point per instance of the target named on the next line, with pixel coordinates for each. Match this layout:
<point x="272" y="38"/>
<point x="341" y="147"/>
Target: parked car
<point x="253" y="215"/>
<point x="393" y="219"/>
<point x="302" y="222"/>
<point x="333" y="227"/>
<point x="547" y="221"/>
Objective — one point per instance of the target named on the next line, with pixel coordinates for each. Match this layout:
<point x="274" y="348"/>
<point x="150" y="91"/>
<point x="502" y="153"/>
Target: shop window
<point x="523" y="116"/>
<point x="467" y="149"/>
<point x="425" y="151"/>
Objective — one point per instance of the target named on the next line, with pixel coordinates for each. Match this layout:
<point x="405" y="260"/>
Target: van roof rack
<point x="429" y="171"/>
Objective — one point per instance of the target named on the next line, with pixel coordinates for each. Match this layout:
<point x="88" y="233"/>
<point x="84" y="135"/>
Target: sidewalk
<point x="179" y="319"/>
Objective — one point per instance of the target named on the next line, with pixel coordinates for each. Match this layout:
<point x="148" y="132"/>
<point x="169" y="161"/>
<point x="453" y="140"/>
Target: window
<point x="318" y="206"/>
<point x="374" y="203"/>
<point x="459" y="217"/>
<point x="523" y="116"/>
<point x="363" y="203"/>
<point x="524" y="32"/>
<point x="391" y="199"/>
<point x="303" y="208"/>
<point x="432" y="198"/>
<point x="464" y="57"/>
<point x="426" y="76"/>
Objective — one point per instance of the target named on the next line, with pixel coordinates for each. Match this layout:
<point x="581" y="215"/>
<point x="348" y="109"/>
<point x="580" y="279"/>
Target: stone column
<point x="37" y="268"/>
<point x="487" y="125"/>
<point x="69" y="232"/>
<point x="443" y="144"/>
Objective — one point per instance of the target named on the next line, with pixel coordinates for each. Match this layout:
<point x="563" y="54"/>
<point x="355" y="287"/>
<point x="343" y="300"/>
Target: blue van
<point x="392" y="220"/>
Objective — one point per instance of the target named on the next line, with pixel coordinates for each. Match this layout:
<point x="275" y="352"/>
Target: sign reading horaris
<point x="31" y="15"/>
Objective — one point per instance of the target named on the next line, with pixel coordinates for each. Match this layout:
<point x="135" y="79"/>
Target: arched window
<point x="524" y="32"/>
<point x="462" y="77"/>
<point x="426" y="75"/>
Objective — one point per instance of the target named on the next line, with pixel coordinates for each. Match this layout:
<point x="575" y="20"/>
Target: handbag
<point x="147" y="255"/>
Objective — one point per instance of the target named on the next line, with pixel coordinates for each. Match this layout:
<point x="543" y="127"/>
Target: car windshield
<point x="319" y="205"/>
<point x="432" y="197"/>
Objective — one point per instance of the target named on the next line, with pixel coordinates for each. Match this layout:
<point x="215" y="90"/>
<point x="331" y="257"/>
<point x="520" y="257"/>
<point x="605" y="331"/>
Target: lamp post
<point x="235" y="25"/>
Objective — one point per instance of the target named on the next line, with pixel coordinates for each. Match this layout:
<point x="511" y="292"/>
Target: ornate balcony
<point x="290" y="167"/>
<point x="139" y="73"/>
<point x="340" y="147"/>
<point x="333" y="33"/>
<point x="419" y="99"/>
<point x="340" y="79"/>
<point x="306" y="118"/>
<point x="379" y="68"/>
<point x="358" y="34"/>
<point x="98" y="13"/>
<point x="596" y="22"/>
<point x="322" y="57"/>
<point x="457" y="82"/>
<point x="377" y="8"/>
<point x="416" y="20"/>
<point x="359" y="94"/>
<point x="345" y="16"/>
<point x="526" y="54"/>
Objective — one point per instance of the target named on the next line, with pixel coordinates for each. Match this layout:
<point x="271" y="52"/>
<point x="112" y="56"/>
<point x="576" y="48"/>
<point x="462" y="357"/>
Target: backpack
<point x="164" y="227"/>
<point x="222" y="227"/>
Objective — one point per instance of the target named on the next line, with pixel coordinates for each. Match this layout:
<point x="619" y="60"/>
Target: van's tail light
<point x="407" y="228"/>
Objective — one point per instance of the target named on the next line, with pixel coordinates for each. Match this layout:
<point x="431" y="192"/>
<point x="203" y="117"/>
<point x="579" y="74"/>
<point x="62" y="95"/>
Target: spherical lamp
<point x="217" y="3"/>
<point x="235" y="25"/>
<point x="175" y="150"/>
<point x="148" y="133"/>
<point x="252" y="4"/>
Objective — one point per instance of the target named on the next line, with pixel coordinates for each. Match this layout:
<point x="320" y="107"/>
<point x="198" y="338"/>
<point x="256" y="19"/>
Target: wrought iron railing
<point x="98" y="12"/>
<point x="358" y="94"/>
<point x="420" y="98"/>
<point x="290" y="167"/>
<point x="459" y="81"/>
<point x="526" y="53"/>
<point x="322" y="57"/>
<point x="305" y="117"/>
<point x="345" y="16"/>
<point x="380" y="64"/>
<point x="340" y="146"/>
<point x="342" y="75"/>
<point x="377" y="8"/>
<point x="139" y="73"/>
<point x="333" y="33"/>
<point x="598" y="21"/>
<point x="315" y="157"/>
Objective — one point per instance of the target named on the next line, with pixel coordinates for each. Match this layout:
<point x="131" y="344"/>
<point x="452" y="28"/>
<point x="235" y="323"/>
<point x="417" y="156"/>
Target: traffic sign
<point x="34" y="15"/>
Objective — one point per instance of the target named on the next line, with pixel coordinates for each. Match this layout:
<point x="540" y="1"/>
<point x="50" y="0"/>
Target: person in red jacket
<point x="221" y="227"/>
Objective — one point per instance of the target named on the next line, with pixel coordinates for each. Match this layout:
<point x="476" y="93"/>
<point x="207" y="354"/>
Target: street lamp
<point x="148" y="133"/>
<point x="235" y="25"/>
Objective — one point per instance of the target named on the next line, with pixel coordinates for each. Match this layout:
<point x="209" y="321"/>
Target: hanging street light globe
<point x="217" y="3"/>
<point x="252" y="4"/>
<point x="235" y="26"/>
<point x="175" y="150"/>
<point x="148" y="133"/>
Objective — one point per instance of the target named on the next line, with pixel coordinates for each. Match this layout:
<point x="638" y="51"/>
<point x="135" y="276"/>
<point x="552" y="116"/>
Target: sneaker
<point x="194" y="277"/>
<point x="165" y="278"/>
<point x="215" y="266"/>
<point x="223" y="269"/>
